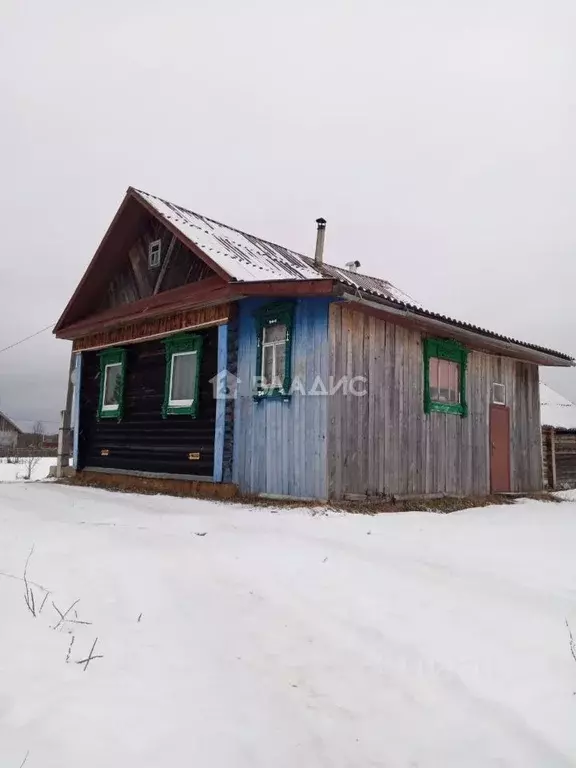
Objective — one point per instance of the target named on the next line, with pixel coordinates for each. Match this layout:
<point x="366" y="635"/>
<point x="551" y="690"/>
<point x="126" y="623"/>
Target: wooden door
<point x="499" y="448"/>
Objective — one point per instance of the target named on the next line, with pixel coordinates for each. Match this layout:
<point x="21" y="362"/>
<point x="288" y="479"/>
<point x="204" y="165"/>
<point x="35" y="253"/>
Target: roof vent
<point x="320" y="235"/>
<point x="353" y="266"/>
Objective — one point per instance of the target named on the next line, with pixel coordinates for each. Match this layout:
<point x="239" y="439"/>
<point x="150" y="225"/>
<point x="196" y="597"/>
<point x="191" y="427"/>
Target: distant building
<point x="9" y="433"/>
<point x="558" y="417"/>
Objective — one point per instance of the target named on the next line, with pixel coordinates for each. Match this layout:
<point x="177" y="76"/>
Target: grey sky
<point x="436" y="136"/>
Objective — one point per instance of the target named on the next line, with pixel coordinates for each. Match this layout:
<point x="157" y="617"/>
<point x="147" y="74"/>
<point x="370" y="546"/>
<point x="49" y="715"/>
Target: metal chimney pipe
<point x="320" y="235"/>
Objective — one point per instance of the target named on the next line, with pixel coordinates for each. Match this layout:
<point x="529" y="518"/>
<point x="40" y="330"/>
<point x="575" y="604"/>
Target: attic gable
<point x="120" y="273"/>
<point x="137" y="278"/>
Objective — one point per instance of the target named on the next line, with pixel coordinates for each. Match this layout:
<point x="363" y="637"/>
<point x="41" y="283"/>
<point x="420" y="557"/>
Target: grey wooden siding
<point x="384" y="443"/>
<point x="280" y="447"/>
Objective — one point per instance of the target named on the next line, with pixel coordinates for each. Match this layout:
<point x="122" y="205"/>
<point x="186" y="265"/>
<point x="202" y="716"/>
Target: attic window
<point x="154" y="253"/>
<point x="498" y="394"/>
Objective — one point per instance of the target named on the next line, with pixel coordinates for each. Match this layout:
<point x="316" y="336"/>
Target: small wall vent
<point x="499" y="394"/>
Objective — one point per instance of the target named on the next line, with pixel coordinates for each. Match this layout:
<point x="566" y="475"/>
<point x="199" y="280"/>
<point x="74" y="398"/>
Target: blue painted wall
<point x="220" y="429"/>
<point x="280" y="447"/>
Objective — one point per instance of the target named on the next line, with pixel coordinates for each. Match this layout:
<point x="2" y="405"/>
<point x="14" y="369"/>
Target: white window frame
<point x="111" y="406"/>
<point x="154" y="254"/>
<point x="273" y="344"/>
<point x="494" y="400"/>
<point x="181" y="403"/>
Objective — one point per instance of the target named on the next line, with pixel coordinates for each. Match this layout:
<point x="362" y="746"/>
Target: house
<point x="9" y="434"/>
<point x="558" y="416"/>
<point x="206" y="354"/>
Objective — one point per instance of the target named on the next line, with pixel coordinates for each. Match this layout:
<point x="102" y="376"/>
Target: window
<point x="444" y="381"/>
<point x="273" y="369"/>
<point x="183" y="358"/>
<point x="154" y="253"/>
<point x="445" y="377"/>
<point x="274" y="350"/>
<point x="498" y="394"/>
<point x="112" y="373"/>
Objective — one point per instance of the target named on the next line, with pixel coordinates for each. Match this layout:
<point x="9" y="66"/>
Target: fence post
<point x="553" y="457"/>
<point x="63" y="461"/>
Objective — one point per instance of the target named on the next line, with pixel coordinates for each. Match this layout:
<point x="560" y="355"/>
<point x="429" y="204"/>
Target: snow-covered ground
<point x="10" y="472"/>
<point x="242" y="638"/>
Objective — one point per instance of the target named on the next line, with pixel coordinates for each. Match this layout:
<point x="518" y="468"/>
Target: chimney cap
<point x="321" y="222"/>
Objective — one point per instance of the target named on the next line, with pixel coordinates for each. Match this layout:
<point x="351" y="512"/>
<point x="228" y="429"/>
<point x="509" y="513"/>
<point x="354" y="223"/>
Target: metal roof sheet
<point x="246" y="258"/>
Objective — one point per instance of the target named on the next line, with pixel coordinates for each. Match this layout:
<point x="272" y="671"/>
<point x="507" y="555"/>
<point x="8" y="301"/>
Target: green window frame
<point x="110" y="360"/>
<point x="181" y="345"/>
<point x="450" y="350"/>
<point x="276" y="314"/>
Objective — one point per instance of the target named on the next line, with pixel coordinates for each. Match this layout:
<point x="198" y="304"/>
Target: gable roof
<point x="241" y="259"/>
<point x="10" y="423"/>
<point x="246" y="258"/>
<point x="555" y="409"/>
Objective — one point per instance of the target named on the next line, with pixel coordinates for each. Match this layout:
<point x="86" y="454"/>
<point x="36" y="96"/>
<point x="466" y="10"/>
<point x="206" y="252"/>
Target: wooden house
<point x="207" y="354"/>
<point x="558" y="416"/>
<point x="9" y="434"/>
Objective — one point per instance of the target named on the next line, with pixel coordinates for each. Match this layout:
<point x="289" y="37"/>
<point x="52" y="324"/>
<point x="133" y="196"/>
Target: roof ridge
<point x="221" y="223"/>
<point x="308" y="259"/>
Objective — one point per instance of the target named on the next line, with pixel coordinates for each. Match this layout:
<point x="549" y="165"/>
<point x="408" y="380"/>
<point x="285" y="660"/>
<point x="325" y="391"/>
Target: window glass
<point x="183" y="380"/>
<point x="274" y="355"/>
<point x="444" y="381"/>
<point x="274" y="333"/>
<point x="268" y="364"/>
<point x="280" y="364"/>
<point x="113" y="378"/>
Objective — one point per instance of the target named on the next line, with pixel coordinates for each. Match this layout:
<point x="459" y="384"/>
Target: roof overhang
<point x="477" y="339"/>
<point x="206" y="293"/>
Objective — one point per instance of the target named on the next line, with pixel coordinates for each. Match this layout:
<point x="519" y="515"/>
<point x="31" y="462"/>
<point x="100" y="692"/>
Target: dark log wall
<point x="135" y="280"/>
<point x="143" y="440"/>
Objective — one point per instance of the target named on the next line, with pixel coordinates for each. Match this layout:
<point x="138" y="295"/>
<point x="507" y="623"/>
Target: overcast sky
<point x="436" y="136"/>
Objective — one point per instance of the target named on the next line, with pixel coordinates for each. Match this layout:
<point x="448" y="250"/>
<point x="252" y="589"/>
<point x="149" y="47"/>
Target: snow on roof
<point x="555" y="409"/>
<point x="247" y="258"/>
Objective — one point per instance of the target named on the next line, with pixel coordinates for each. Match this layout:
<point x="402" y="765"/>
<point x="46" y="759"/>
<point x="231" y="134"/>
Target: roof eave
<point x="478" y="339"/>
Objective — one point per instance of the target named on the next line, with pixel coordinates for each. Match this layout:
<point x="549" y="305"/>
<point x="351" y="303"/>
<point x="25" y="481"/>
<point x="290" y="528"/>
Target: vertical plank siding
<point x="232" y="368"/>
<point x="280" y="446"/>
<point x="220" y="430"/>
<point x="384" y="443"/>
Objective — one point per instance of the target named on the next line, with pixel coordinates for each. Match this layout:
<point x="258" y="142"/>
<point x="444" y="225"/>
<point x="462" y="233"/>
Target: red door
<point x="499" y="448"/>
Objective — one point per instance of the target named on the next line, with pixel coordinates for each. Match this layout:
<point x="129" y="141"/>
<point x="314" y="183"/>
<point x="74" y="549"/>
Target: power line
<point x="32" y="335"/>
